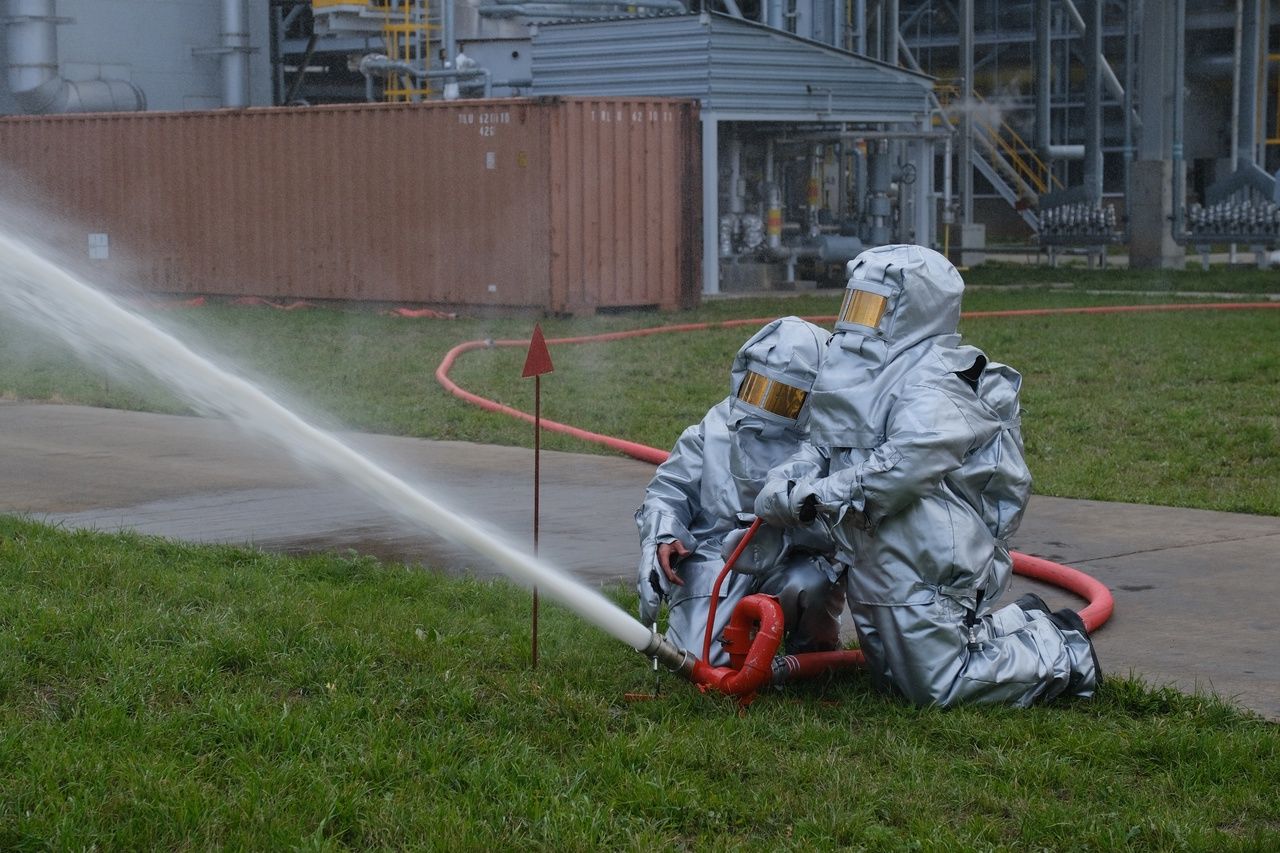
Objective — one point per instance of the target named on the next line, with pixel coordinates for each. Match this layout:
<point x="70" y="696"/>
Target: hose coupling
<point x="669" y="655"/>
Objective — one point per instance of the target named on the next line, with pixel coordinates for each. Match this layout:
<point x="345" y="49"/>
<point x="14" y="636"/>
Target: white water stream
<point x="36" y="291"/>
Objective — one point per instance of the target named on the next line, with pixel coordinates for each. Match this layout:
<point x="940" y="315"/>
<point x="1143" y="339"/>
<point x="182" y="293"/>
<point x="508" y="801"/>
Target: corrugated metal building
<point x="743" y="72"/>
<point x="737" y="69"/>
<point x="566" y="205"/>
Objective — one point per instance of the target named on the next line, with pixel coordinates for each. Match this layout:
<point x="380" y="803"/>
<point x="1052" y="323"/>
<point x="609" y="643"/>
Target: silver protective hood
<point x="786" y="350"/>
<point x="849" y="402"/>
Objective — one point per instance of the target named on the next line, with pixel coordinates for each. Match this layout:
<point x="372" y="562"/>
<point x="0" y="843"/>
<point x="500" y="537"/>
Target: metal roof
<point x="738" y="70"/>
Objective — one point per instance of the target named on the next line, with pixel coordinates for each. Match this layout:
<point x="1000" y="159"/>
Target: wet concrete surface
<point x="203" y="480"/>
<point x="1194" y="590"/>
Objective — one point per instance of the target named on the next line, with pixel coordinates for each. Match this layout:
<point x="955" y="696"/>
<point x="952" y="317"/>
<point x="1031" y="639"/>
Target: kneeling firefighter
<point x="695" y="500"/>
<point x="915" y="467"/>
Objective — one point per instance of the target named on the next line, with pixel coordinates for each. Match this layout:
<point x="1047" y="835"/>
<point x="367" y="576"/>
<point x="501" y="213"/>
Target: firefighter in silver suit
<point x="915" y="467"/>
<point x="698" y="504"/>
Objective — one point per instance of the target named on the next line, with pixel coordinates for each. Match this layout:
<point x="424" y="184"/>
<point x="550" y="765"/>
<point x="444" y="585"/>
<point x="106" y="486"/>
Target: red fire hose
<point x="715" y="589"/>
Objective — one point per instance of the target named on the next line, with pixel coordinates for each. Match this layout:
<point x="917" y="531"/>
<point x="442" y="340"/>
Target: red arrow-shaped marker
<point x="538" y="361"/>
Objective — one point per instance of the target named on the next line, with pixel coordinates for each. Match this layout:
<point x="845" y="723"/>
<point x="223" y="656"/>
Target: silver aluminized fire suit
<point x="699" y="494"/>
<point x="915" y="466"/>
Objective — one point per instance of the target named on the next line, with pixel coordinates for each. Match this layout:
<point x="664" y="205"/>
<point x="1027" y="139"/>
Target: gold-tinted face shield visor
<point x="863" y="308"/>
<point x="772" y="395"/>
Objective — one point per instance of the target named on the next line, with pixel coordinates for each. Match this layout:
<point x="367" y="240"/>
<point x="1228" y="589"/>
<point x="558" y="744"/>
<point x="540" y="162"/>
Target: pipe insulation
<point x="32" y="72"/>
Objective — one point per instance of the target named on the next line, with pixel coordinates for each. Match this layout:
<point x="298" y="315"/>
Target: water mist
<point x="38" y="292"/>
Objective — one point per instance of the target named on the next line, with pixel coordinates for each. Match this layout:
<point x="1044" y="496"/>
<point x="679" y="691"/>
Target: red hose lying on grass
<point x="1101" y="604"/>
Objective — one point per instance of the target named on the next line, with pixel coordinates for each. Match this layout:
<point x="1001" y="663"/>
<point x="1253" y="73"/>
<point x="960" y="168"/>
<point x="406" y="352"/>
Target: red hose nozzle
<point x="752" y="638"/>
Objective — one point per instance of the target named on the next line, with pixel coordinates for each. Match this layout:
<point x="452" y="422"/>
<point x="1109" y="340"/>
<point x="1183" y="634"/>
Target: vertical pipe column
<point x="277" y="48"/>
<point x="773" y="12"/>
<point x="773" y="216"/>
<point x="1264" y="51"/>
<point x="31" y="51"/>
<point x="874" y="23"/>
<point x="448" y="32"/>
<point x="1180" y="93"/>
<point x="966" y="116"/>
<point x="1249" y="63"/>
<point x="879" y="177"/>
<point x="860" y="21"/>
<point x="813" y="190"/>
<point x="1044" y="55"/>
<point x="1092" y="50"/>
<point x="235" y="54"/>
<point x="889" y="32"/>
<point x="948" y="215"/>
<point x="736" y="201"/>
<point x="1130" y="56"/>
<point x="922" y="153"/>
<point x="710" y="206"/>
<point x="1237" y="41"/>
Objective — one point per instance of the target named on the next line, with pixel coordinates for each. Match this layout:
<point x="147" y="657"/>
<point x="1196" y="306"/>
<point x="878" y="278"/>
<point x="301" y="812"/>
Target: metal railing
<point x="1032" y="171"/>
<point x="407" y="35"/>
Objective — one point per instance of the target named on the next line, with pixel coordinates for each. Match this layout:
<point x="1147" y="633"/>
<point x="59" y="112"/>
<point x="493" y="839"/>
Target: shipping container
<point x="556" y="204"/>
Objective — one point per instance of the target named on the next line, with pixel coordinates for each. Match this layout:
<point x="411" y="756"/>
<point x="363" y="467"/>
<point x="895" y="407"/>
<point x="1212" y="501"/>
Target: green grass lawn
<point x="156" y="695"/>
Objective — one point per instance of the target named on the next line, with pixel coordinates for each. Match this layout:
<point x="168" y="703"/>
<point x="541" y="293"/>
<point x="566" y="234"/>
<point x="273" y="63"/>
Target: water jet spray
<point x="40" y="293"/>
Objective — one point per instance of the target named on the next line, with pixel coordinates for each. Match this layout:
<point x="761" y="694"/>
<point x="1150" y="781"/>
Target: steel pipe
<point x="31" y="57"/>
<point x="235" y="54"/>
<point x="376" y="63"/>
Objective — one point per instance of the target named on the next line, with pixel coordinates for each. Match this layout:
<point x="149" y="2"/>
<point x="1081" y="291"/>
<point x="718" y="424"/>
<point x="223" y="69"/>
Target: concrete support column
<point x="1152" y="201"/>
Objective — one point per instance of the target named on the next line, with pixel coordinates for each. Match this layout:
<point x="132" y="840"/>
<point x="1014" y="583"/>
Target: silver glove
<point x="763" y="552"/>
<point x="652" y="585"/>
<point x="787" y="503"/>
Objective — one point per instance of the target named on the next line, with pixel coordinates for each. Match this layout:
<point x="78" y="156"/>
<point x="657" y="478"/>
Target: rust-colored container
<point x="565" y="205"/>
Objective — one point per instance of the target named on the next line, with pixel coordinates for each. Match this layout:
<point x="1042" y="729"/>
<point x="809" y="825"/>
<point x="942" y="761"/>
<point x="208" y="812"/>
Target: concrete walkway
<point x="1194" y="590"/>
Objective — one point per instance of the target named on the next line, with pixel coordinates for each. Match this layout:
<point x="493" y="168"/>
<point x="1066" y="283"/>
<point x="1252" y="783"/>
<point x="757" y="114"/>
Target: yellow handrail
<point x="1031" y="172"/>
<point x="404" y="27"/>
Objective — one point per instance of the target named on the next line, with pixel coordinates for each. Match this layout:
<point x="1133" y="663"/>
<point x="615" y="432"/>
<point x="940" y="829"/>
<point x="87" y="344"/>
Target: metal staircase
<point x="1009" y="164"/>
<point x="1000" y="155"/>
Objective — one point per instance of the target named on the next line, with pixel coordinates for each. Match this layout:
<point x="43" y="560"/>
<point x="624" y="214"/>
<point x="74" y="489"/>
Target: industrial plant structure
<point x="802" y="130"/>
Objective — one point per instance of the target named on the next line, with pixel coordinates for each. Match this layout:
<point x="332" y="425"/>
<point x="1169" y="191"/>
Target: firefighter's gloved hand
<point x="657" y="575"/>
<point x="762" y="553"/>
<point x="787" y="503"/>
<point x="651" y="586"/>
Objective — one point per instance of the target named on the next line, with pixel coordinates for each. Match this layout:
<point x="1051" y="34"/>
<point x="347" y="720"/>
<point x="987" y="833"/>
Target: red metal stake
<point x="537" y="490"/>
<point x="536" y="363"/>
